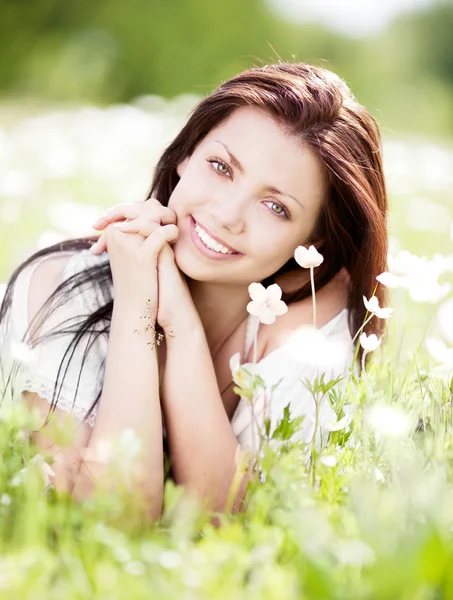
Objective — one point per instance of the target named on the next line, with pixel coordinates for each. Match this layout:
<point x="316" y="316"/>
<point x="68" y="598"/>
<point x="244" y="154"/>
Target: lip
<point x="207" y="251"/>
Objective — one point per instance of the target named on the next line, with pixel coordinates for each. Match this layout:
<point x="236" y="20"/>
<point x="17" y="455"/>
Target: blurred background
<point x="91" y="92"/>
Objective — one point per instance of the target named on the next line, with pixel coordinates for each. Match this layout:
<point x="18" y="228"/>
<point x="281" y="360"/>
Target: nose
<point x="229" y="213"/>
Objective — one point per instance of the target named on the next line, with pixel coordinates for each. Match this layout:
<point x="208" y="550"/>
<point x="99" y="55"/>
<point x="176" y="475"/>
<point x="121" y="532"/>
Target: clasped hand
<point x="137" y="236"/>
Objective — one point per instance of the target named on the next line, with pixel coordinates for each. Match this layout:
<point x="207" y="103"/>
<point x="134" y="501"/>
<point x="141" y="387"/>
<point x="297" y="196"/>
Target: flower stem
<point x="363" y="361"/>
<point x="252" y="407"/>
<point x="357" y="348"/>
<point x="361" y="328"/>
<point x="313" y="443"/>
<point x="255" y="343"/>
<point x="312" y="280"/>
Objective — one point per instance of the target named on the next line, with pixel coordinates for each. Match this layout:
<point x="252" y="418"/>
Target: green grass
<point x="377" y="524"/>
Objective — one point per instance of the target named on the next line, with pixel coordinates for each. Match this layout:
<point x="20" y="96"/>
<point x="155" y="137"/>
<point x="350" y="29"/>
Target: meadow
<point x="370" y="516"/>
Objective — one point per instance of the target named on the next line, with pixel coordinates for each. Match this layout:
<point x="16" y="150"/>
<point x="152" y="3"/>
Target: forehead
<point x="266" y="150"/>
<point x="248" y="120"/>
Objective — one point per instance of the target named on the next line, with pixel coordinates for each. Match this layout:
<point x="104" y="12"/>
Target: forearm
<point x="129" y="400"/>
<point x="202" y="444"/>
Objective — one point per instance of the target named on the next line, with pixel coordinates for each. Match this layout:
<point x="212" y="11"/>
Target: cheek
<point x="273" y="255"/>
<point x="188" y="191"/>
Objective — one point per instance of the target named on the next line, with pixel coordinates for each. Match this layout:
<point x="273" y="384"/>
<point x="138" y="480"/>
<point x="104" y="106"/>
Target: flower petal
<point x="300" y="256"/>
<point x="384" y="313"/>
<point x="257" y="292"/>
<point x="279" y="308"/>
<point x="369" y="342"/>
<point x="390" y="280"/>
<point x="316" y="258"/>
<point x="267" y="316"/>
<point x="273" y="292"/>
<point x="308" y="258"/>
<point x="254" y="308"/>
<point x="235" y="363"/>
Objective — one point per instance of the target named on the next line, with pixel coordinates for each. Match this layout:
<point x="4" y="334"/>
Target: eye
<point x="219" y="162"/>
<point x="284" y="214"/>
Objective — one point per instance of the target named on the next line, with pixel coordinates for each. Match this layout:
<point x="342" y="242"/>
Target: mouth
<point x="210" y="244"/>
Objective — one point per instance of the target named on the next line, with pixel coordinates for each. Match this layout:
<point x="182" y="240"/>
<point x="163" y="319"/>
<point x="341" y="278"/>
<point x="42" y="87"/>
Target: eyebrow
<point x="237" y="164"/>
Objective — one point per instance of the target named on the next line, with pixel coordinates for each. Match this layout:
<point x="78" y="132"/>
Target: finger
<point x="132" y="210"/>
<point x="163" y="234"/>
<point x="99" y="245"/>
<point x="142" y="225"/>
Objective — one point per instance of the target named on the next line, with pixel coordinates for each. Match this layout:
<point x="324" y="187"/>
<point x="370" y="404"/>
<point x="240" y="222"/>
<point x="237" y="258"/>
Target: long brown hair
<point x="314" y="105"/>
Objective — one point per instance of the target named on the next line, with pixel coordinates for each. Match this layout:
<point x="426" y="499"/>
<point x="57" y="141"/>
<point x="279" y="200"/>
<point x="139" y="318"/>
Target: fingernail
<point x="119" y="224"/>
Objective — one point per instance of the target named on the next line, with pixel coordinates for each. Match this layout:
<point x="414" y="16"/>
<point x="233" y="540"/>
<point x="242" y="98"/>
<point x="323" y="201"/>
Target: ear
<point x="182" y="166"/>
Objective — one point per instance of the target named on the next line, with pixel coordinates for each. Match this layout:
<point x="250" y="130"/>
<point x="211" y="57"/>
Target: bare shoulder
<point x="330" y="301"/>
<point x="43" y="282"/>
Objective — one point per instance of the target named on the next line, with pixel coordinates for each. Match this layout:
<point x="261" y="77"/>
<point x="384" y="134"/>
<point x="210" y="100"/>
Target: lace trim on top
<point x="46" y="392"/>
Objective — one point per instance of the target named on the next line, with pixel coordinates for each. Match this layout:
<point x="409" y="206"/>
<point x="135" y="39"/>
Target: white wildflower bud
<point x="369" y="343"/>
<point x="308" y="258"/>
<point x="372" y="306"/>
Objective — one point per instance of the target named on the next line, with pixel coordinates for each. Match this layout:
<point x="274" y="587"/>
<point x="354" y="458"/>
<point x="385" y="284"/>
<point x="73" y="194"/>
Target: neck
<point x="222" y="309"/>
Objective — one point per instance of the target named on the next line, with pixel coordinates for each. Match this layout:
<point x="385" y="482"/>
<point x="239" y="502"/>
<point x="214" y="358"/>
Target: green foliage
<point x="375" y="522"/>
<point x="113" y="52"/>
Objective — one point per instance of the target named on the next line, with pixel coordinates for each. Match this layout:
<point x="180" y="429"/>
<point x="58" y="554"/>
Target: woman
<point x="277" y="157"/>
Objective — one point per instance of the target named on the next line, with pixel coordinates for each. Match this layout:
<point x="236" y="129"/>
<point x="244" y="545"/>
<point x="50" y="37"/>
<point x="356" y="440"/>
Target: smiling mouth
<point x="211" y="242"/>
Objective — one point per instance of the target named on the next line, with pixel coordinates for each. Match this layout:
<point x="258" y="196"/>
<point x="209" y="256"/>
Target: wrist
<point x="135" y="312"/>
<point x="185" y="323"/>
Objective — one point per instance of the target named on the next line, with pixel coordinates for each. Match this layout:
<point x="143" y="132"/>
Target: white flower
<point x="338" y="425"/>
<point x="439" y="350"/>
<point x="429" y="290"/>
<point x="308" y="257"/>
<point x="266" y="303"/>
<point x="372" y="306"/>
<point x="445" y="319"/>
<point x="169" y="559"/>
<point x="420" y="276"/>
<point x="369" y="342"/>
<point x="388" y="420"/>
<point x="17" y="479"/>
<point x="389" y="280"/>
<point x="443" y="372"/>
<point x="5" y="499"/>
<point x="46" y="470"/>
<point x="378" y="474"/>
<point x="329" y="461"/>
<point x="353" y="553"/>
<point x="241" y="378"/>
<point x="404" y="263"/>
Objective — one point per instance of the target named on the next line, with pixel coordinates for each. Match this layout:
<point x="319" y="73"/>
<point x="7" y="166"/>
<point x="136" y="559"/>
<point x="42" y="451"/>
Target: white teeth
<point x="210" y="243"/>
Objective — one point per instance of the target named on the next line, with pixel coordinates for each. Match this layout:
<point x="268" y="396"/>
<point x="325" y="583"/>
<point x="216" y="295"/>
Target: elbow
<point x="135" y="494"/>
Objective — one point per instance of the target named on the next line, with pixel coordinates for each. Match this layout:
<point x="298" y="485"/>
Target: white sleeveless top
<point x="36" y="368"/>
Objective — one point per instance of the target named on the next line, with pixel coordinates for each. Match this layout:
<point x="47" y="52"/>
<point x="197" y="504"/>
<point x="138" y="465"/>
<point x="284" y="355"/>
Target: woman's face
<point x="229" y="186"/>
